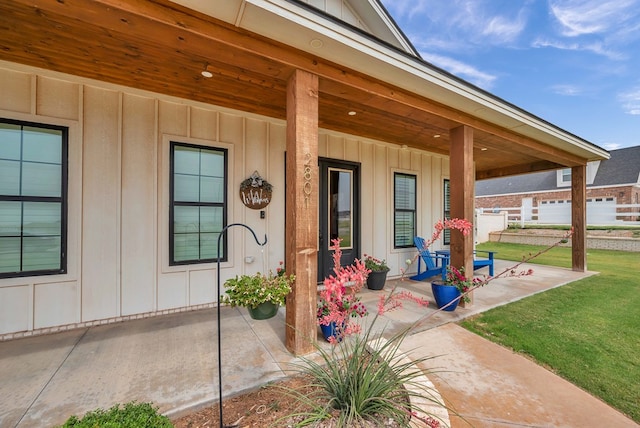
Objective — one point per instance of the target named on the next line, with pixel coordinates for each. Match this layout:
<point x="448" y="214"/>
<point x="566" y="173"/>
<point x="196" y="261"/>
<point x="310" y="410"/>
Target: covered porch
<point x="328" y="77"/>
<point x="53" y="376"/>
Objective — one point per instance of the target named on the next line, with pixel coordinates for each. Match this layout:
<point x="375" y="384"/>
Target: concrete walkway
<point x="172" y="362"/>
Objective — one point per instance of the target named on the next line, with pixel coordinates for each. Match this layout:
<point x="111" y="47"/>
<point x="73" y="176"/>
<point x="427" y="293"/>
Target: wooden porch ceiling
<point x="158" y="46"/>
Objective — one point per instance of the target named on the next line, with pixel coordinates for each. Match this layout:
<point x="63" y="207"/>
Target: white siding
<point x="118" y="232"/>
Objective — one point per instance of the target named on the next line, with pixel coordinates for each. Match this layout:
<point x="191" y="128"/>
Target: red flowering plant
<point x="458" y="279"/>
<point x="338" y="302"/>
<point x="280" y="269"/>
<point x="375" y="264"/>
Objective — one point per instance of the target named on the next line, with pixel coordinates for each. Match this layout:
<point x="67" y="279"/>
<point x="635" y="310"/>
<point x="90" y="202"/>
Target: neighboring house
<point x="128" y="127"/>
<point x="545" y="197"/>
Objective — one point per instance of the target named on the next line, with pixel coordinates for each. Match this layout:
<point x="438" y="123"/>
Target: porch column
<point x="301" y="219"/>
<point x="462" y="181"/>
<point x="579" y="218"/>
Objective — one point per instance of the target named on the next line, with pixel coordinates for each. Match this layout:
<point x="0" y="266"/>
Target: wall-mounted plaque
<point x="255" y="192"/>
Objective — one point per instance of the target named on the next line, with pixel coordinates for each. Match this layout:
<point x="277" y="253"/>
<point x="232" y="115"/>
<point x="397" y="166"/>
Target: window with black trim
<point x="198" y="212"/>
<point x="33" y="199"/>
<point x="404" y="210"/>
<point x="446" y="234"/>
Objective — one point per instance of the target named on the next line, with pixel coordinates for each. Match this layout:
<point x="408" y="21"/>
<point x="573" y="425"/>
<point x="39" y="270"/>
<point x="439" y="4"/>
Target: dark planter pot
<point x="264" y="311"/>
<point x="329" y="331"/>
<point x="376" y="279"/>
<point x="445" y="294"/>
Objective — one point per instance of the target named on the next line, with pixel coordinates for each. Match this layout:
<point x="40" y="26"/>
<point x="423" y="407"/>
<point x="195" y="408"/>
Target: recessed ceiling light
<point x="436" y="136"/>
<point x="316" y="43"/>
<point x="484" y="149"/>
<point x="205" y="72"/>
<point x="352" y="113"/>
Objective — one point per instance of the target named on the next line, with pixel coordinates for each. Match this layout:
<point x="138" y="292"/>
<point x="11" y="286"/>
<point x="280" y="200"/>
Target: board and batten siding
<point x="118" y="198"/>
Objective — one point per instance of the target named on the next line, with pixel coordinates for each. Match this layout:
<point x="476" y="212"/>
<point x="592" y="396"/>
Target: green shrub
<point x="132" y="415"/>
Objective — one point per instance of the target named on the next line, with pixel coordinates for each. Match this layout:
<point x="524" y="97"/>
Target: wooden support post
<point x="461" y="171"/>
<point x="579" y="218"/>
<point x="301" y="220"/>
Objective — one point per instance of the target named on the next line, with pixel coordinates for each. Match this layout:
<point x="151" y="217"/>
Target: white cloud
<point x="503" y="28"/>
<point x="612" y="146"/>
<point x="631" y="101"/>
<point x="569" y="90"/>
<point x="406" y="8"/>
<point x="460" y="69"/>
<point x="595" y="47"/>
<point x="578" y="17"/>
<point x="481" y="21"/>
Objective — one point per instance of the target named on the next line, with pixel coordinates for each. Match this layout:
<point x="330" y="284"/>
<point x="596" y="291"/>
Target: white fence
<point x="599" y="213"/>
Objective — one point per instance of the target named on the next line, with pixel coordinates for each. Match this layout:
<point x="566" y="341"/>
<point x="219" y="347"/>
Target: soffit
<point x="162" y="47"/>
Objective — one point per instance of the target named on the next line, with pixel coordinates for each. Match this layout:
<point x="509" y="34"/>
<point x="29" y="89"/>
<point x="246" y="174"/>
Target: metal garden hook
<point x="224" y="231"/>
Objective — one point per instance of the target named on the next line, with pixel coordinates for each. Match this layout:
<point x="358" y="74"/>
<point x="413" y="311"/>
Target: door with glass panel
<point x="339" y="213"/>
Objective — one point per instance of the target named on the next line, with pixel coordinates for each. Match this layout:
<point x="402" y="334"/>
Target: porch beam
<point x="527" y="168"/>
<point x="301" y="218"/>
<point x="462" y="181"/>
<point x="579" y="218"/>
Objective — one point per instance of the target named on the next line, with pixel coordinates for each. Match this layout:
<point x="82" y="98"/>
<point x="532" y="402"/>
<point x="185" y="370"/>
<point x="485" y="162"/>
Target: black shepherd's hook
<point x="224" y="230"/>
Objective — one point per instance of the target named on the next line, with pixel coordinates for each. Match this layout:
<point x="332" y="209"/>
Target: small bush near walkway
<point x="131" y="415"/>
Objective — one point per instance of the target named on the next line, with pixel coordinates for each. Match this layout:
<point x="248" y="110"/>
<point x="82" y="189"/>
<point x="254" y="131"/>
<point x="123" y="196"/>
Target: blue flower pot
<point x="329" y="331"/>
<point x="444" y="294"/>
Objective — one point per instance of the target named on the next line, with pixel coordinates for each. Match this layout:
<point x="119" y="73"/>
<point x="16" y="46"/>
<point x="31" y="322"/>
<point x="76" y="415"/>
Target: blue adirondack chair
<point x="478" y="263"/>
<point x="433" y="264"/>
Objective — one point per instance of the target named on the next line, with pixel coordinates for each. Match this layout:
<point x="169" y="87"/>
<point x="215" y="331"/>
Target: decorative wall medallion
<point x="255" y="192"/>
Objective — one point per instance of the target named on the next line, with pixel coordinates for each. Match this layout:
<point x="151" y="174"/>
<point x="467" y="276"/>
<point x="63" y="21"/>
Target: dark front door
<point x="339" y="213"/>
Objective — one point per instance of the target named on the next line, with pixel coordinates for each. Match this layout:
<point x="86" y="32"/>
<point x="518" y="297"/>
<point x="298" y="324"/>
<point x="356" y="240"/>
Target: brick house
<point x="611" y="182"/>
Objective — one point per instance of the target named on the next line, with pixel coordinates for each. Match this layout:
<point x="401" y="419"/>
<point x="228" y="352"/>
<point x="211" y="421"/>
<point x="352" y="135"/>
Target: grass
<point x="586" y="331"/>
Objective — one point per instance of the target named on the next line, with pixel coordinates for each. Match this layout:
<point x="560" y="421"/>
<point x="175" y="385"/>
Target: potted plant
<point x="378" y="275"/>
<point x="447" y="293"/>
<point x="337" y="301"/>
<point x="260" y="294"/>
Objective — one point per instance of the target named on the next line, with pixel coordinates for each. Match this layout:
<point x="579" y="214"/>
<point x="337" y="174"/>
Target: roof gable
<point x="369" y="16"/>
<point x="623" y="167"/>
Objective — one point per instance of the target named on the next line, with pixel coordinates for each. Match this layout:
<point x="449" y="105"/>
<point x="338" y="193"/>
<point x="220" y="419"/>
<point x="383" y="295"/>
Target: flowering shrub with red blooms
<point x="374" y="264"/>
<point x="280" y="269"/>
<point x="338" y="301"/>
<point x="457" y="278"/>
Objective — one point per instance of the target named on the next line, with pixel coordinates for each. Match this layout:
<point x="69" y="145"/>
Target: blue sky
<point x="573" y="63"/>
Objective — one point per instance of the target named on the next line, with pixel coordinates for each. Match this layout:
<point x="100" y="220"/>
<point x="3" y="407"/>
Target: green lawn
<point x="587" y="331"/>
